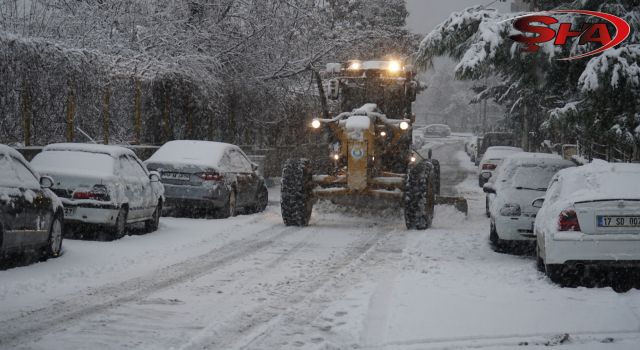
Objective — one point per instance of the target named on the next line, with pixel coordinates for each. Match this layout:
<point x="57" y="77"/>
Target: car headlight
<point x="315" y="124"/>
<point x="510" y="209"/>
<point x="404" y="125"/>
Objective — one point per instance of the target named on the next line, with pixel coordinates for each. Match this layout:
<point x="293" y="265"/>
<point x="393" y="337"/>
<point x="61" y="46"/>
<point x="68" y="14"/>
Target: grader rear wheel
<point x="296" y="193"/>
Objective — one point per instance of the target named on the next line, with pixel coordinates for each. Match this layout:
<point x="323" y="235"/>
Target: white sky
<point x="424" y="15"/>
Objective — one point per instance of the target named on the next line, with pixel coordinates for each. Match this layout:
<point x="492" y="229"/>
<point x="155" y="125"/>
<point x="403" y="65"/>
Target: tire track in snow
<point x="244" y="332"/>
<point x="31" y="325"/>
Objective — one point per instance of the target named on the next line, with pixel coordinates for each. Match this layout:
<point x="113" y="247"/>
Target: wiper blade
<point x="530" y="188"/>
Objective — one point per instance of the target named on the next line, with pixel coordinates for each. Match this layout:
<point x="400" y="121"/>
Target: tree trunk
<point x="26" y="114"/>
<point x="137" y="125"/>
<point x="105" y="115"/>
<point x="71" y="114"/>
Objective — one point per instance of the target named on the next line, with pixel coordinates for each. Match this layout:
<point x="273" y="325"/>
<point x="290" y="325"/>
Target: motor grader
<point x="370" y="148"/>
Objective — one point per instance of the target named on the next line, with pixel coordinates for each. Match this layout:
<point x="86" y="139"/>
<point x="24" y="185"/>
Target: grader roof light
<point x="315" y="124"/>
<point x="354" y="65"/>
<point x="394" y="66"/>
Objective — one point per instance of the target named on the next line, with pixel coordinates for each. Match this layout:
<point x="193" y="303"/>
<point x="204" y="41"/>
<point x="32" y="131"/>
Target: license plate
<point x="618" y="221"/>
<point x="69" y="211"/>
<point x="176" y="176"/>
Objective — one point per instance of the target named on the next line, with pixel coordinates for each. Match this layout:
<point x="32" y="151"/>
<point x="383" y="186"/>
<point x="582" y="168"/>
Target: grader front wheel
<point x="419" y="197"/>
<point x="296" y="194"/>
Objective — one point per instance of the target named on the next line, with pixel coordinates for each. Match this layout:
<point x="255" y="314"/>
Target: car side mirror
<point x="537" y="203"/>
<point x="254" y="166"/>
<point x="154" y="176"/>
<point x="46" y="182"/>
<point x="488" y="188"/>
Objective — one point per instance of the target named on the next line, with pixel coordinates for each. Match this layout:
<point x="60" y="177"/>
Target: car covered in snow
<point x="492" y="139"/>
<point x="522" y="177"/>
<point x="214" y="177"/>
<point x="589" y="217"/>
<point x="31" y="216"/>
<point x="436" y="130"/>
<point x="492" y="158"/>
<point x="102" y="186"/>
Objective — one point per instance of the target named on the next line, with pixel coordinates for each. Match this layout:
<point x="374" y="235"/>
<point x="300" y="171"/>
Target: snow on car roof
<point x="601" y="180"/>
<point x="525" y="156"/>
<point x="500" y="152"/>
<point x="204" y="153"/>
<point x="113" y="151"/>
<point x="4" y="149"/>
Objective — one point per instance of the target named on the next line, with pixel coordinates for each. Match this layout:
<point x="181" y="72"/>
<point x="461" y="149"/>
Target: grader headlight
<point x="394" y="67"/>
<point x="404" y="125"/>
<point x="315" y="124"/>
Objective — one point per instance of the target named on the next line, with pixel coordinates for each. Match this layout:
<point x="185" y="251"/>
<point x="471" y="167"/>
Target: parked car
<point x="436" y="130"/>
<point x="589" y="220"/>
<point x="492" y="139"/>
<point x="211" y="176"/>
<point x="31" y="216"/>
<point x="102" y="186"/>
<point x="522" y="178"/>
<point x="492" y="159"/>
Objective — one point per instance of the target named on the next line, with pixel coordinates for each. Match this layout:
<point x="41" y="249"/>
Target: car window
<point x="127" y="167"/>
<point x="553" y="192"/>
<point x="237" y="162"/>
<point x="138" y="168"/>
<point x="14" y="173"/>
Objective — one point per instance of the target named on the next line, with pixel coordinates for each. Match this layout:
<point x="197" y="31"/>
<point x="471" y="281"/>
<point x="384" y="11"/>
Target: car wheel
<point x="497" y="244"/>
<point x="229" y="208"/>
<point x="54" y="243"/>
<point x="539" y="261"/>
<point x="152" y="224"/>
<point x="555" y="272"/>
<point x="486" y="206"/>
<point x="120" y="229"/>
<point x="263" y="199"/>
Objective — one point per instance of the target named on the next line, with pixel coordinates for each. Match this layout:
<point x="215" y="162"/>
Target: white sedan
<point x="491" y="159"/>
<point x="102" y="186"/>
<point x="522" y="178"/>
<point x="589" y="217"/>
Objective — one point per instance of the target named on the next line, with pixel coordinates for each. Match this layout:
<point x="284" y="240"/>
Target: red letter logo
<point x="593" y="33"/>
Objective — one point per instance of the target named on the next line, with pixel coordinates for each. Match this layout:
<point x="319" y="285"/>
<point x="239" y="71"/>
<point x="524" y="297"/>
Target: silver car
<point x="213" y="177"/>
<point x="102" y="185"/>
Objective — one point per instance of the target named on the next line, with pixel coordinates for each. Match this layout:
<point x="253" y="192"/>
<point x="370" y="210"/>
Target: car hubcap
<point x="56" y="237"/>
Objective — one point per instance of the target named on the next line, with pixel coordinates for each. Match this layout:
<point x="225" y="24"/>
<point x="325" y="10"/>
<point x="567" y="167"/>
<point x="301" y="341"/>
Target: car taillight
<point x="488" y="166"/>
<point x="98" y="192"/>
<point x="569" y="221"/>
<point x="210" y="176"/>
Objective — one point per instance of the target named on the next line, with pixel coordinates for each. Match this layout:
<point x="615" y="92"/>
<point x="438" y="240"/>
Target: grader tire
<point x="419" y="197"/>
<point x="296" y="194"/>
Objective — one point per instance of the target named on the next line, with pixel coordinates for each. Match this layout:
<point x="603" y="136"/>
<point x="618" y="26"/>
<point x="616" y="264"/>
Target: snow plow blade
<point x="460" y="203"/>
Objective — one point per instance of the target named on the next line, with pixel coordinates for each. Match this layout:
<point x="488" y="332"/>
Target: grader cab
<point x="371" y="148"/>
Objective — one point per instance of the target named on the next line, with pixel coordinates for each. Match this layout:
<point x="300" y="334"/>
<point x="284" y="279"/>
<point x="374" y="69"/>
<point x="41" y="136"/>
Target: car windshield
<point x="533" y="176"/>
<point x="74" y="162"/>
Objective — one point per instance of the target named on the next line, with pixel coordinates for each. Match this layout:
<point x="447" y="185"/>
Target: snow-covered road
<point x="349" y="280"/>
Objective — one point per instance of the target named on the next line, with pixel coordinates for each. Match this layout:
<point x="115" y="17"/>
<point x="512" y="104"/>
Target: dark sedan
<point x="211" y="176"/>
<point x="31" y="216"/>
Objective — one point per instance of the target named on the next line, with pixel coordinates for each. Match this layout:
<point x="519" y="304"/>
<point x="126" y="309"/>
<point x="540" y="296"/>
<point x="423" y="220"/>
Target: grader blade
<point x="460" y="203"/>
